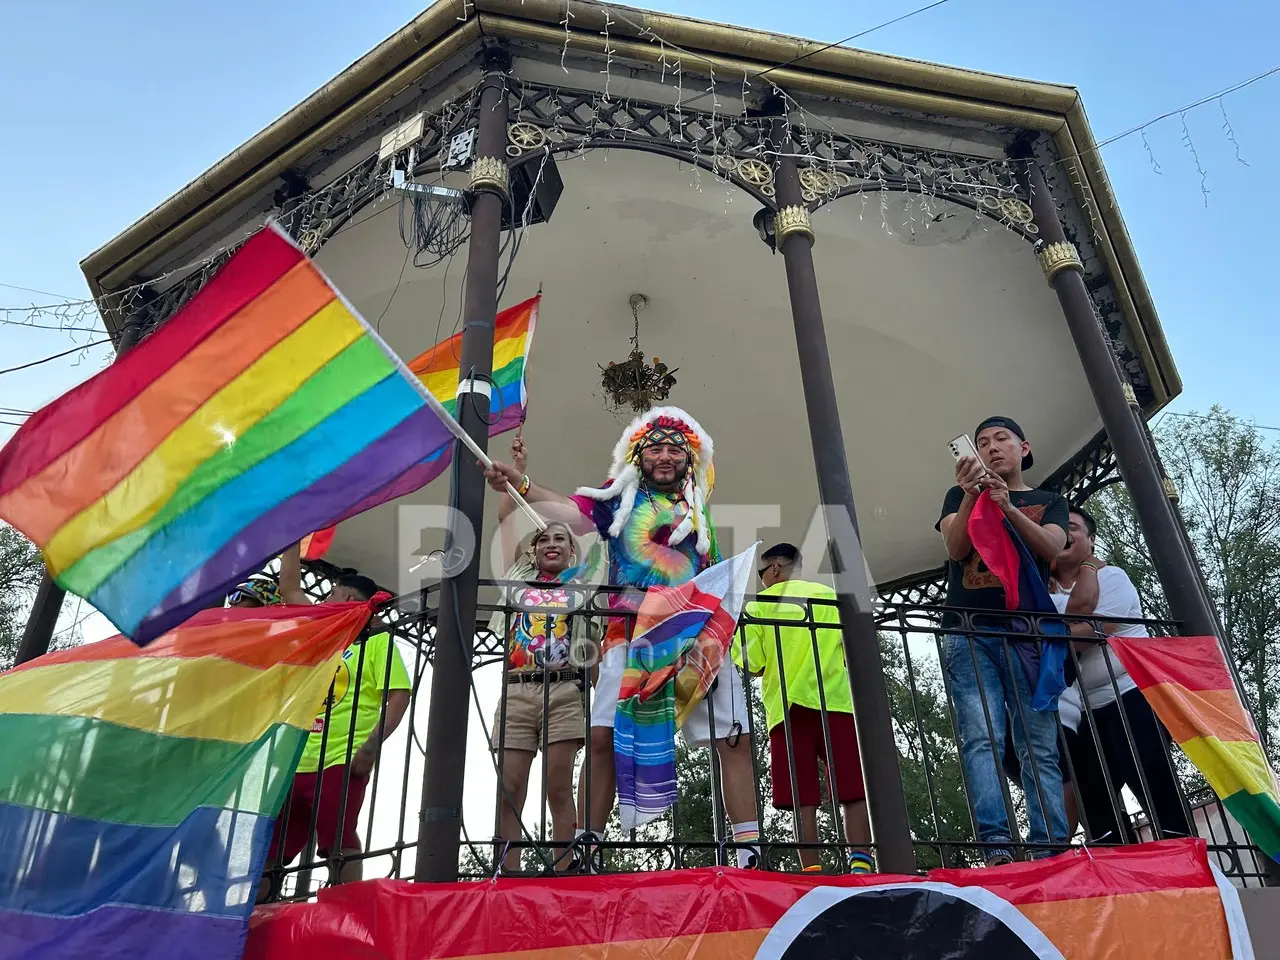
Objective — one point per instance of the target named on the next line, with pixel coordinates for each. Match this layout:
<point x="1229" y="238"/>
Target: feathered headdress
<point x="661" y="425"/>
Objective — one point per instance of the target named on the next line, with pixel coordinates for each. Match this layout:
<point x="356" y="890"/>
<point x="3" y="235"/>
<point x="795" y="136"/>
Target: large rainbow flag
<point x="1189" y="685"/>
<point x="138" y="785"/>
<point x="1157" y="901"/>
<point x="438" y="370"/>
<point x="262" y="411"/>
<point x="663" y="680"/>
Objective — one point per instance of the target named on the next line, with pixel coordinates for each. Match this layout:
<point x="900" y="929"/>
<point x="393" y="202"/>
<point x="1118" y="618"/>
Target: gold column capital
<point x="1170" y="490"/>
<point x="1130" y="396"/>
<point x="792" y="220"/>
<point x="489" y="174"/>
<point x="1056" y="257"/>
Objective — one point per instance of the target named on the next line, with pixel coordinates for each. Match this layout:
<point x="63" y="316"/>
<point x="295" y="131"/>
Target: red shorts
<point x="810" y="747"/>
<point x="300" y="803"/>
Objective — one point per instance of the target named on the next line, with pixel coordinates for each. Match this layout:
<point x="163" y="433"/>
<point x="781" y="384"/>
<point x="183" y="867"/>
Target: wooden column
<point x="440" y="816"/>
<point x="886" y="801"/>
<point x="1149" y="489"/>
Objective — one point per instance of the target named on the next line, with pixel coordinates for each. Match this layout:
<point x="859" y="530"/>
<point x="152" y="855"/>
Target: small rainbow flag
<point x="262" y="411"/>
<point x="1189" y="686"/>
<point x="439" y="372"/>
<point x="136" y="814"/>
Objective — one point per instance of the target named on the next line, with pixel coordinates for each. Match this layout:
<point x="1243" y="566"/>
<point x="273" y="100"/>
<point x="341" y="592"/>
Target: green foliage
<point x="20" y="571"/>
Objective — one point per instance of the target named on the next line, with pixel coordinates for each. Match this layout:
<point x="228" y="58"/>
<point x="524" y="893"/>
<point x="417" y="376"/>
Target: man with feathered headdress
<point x="652" y="511"/>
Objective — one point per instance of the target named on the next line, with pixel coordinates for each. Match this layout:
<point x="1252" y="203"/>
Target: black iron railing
<point x="947" y="713"/>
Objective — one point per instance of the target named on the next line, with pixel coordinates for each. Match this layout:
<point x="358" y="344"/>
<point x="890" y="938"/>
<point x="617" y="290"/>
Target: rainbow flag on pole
<point x="139" y="785"/>
<point x="1189" y="686"/>
<point x="261" y="412"/>
<point x="439" y="372"/>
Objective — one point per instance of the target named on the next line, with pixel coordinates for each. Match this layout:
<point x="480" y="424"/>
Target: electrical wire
<point x="43" y="293"/>
<point x="811" y="53"/>
<point x="56" y="356"/>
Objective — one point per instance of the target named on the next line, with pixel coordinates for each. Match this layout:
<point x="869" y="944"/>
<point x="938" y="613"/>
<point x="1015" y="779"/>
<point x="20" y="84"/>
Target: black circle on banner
<point x="906" y="921"/>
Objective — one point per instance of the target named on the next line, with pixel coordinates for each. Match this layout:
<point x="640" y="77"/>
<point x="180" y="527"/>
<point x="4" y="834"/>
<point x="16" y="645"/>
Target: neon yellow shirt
<point x="797" y="650"/>
<point x="373" y="678"/>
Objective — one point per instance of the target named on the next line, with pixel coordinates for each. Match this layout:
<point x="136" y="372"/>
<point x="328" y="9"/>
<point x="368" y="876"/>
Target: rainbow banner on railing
<point x="139" y="785"/>
<point x="1189" y="685"/>
<point x="1157" y="901"/>
<point x="260" y="412"/>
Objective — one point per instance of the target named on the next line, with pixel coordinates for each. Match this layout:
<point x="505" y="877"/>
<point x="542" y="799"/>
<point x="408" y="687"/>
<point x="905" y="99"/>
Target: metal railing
<point x="948" y="704"/>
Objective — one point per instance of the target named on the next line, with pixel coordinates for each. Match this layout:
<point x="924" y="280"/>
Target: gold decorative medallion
<point x="755" y="172"/>
<point x="523" y="137"/>
<point x="1130" y="396"/>
<point x="1056" y="257"/>
<point x="489" y="174"/>
<point x="1170" y="490"/>
<point x="789" y="220"/>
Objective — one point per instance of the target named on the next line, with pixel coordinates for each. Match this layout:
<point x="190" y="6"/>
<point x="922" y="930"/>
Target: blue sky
<point x="109" y="108"/>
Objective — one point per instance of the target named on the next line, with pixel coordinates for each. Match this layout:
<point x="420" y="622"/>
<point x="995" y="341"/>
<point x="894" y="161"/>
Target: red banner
<point x="1156" y="900"/>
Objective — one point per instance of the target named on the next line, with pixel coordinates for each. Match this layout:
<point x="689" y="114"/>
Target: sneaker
<point x="861" y="864"/>
<point x="999" y="858"/>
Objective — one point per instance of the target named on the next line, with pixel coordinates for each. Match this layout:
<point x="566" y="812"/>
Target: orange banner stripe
<point x="1200" y="713"/>
<point x="735" y="945"/>
<point x="1135" y="926"/>
<point x="89" y="470"/>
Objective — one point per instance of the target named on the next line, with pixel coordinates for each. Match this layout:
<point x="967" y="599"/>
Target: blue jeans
<point x="1004" y="687"/>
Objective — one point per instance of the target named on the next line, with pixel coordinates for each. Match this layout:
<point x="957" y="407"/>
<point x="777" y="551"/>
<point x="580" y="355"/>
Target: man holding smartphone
<point x="990" y="688"/>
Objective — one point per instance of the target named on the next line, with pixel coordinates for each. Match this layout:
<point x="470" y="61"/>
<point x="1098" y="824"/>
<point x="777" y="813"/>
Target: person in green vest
<point x="796" y="689"/>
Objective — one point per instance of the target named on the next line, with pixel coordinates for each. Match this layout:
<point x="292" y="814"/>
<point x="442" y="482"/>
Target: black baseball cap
<point x="1009" y="424"/>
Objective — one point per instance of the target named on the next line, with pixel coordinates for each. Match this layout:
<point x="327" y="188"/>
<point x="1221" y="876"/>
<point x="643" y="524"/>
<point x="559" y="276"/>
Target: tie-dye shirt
<point x="640" y="555"/>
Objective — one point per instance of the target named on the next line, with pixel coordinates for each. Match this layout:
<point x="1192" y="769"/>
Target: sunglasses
<point x="763" y="570"/>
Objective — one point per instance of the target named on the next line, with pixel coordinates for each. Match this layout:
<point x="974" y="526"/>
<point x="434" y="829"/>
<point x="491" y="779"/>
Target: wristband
<point x="1090" y="564"/>
<point x="524" y="486"/>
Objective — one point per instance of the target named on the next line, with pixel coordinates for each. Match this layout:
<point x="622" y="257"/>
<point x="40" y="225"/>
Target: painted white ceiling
<point x="935" y="319"/>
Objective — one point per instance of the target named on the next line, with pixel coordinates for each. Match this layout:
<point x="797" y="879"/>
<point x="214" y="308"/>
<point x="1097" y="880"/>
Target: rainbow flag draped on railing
<point x="138" y="785"/>
<point x="1189" y="685"/>
<point x="260" y="412"/>
<point x="662" y="682"/>
<point x="438" y="370"/>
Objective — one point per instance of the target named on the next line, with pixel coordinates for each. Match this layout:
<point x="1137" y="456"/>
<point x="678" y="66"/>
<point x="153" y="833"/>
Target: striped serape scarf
<point x="682" y="635"/>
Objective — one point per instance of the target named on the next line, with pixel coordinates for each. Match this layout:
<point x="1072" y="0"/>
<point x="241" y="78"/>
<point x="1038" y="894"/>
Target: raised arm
<point x="559" y="506"/>
<point x="291" y="576"/>
<point x="507" y="506"/>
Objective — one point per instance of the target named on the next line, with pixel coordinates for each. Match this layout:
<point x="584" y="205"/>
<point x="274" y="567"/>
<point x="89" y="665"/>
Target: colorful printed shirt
<point x="640" y="555"/>
<point x="537" y="638"/>
<point x="374" y="679"/>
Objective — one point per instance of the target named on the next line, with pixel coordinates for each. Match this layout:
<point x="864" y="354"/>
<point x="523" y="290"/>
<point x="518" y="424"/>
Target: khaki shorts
<point x="524" y="715"/>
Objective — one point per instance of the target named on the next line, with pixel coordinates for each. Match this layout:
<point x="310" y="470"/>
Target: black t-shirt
<point x="969" y="582"/>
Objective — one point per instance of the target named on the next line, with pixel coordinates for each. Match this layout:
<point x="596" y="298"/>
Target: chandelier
<point x="635" y="383"/>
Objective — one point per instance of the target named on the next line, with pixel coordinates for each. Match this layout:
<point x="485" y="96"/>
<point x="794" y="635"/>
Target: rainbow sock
<point x="861" y="863"/>
<point x="747" y="832"/>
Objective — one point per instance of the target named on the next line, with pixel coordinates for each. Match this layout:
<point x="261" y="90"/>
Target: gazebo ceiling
<point x="935" y="319"/>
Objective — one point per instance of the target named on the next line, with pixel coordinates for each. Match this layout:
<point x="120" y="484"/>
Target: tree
<point x="1228" y="479"/>
<point x="20" y="571"/>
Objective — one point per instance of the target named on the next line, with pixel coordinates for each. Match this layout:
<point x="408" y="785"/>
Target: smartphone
<point x="962" y="446"/>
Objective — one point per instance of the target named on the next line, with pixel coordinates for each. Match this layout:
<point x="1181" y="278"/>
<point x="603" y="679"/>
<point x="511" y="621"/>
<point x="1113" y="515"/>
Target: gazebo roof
<point x="448" y="27"/>
<point x="935" y="311"/>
